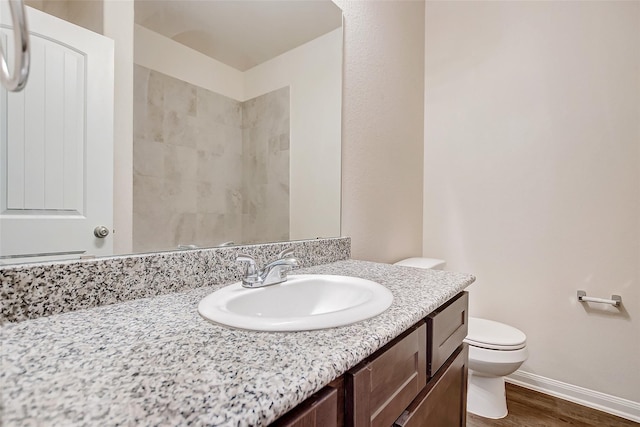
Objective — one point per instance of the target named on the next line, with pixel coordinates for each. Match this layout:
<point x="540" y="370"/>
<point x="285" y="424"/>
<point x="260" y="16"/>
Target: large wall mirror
<point x="236" y="128"/>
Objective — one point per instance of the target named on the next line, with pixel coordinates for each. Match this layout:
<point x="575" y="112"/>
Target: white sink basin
<point x="302" y="303"/>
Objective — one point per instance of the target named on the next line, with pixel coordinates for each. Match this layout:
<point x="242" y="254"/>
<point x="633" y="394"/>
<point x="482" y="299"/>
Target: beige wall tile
<point x="148" y="194"/>
<point x="180" y="163"/>
<point x="148" y="158"/>
<point x="180" y="196"/>
<point x="155" y="107"/>
<point x="200" y="176"/>
<point x="182" y="229"/>
<point x="218" y="108"/>
<point x="147" y="231"/>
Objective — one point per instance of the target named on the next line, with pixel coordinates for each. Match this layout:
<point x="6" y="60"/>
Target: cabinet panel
<point x="379" y="389"/>
<point x="320" y="410"/>
<point x="447" y="328"/>
<point x="443" y="403"/>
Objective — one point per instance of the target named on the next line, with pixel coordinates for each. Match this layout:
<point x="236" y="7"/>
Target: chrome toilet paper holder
<point x="616" y="300"/>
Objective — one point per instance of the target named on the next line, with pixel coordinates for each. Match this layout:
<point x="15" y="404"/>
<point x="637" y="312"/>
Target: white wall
<point x="314" y="72"/>
<point x="382" y="134"/>
<point x="162" y="54"/>
<point x="118" y="25"/>
<point x="532" y="175"/>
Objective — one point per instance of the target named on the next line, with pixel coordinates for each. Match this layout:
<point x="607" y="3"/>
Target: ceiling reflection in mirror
<point x="236" y="122"/>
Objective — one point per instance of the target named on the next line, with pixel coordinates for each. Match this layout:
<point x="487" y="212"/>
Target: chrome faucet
<point x="273" y="273"/>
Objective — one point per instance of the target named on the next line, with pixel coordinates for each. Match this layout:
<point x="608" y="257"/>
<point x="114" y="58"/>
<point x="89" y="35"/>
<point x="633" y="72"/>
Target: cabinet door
<point x="446" y="328"/>
<point x="443" y="402"/>
<point x="320" y="410"/>
<point x="379" y="389"/>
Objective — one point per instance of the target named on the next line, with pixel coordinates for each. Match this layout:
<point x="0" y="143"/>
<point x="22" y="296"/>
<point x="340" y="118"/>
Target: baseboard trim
<point x="592" y="399"/>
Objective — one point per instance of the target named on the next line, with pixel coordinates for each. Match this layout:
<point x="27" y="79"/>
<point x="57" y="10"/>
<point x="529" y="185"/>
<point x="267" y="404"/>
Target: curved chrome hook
<point x="21" y="63"/>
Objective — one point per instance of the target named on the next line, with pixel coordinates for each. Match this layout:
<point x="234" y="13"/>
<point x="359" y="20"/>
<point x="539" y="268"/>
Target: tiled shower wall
<point x="265" y="157"/>
<point x="207" y="169"/>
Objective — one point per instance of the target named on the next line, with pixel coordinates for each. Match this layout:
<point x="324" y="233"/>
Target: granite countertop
<point x="155" y="361"/>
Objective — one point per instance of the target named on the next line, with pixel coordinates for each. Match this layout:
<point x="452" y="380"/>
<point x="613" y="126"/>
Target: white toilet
<point x="495" y="351"/>
<point x="430" y="263"/>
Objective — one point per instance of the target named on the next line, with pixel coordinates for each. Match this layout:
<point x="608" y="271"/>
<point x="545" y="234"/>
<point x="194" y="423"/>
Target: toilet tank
<point x="418" y="262"/>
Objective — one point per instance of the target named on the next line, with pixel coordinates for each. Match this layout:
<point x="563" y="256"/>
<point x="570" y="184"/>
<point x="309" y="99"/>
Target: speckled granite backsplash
<point x="30" y="291"/>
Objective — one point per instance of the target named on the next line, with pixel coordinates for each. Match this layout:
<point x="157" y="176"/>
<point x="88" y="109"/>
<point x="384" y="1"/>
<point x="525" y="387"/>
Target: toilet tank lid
<point x="419" y="262"/>
<point x="492" y="334"/>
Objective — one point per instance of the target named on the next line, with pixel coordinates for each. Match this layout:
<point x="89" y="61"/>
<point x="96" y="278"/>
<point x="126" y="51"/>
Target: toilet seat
<point x="493" y="335"/>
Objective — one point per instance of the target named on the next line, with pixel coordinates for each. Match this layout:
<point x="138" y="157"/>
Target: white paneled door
<point x="56" y="145"/>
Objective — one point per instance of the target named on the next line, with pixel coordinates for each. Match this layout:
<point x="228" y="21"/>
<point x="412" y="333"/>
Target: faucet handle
<point x="252" y="267"/>
<point x="286" y="253"/>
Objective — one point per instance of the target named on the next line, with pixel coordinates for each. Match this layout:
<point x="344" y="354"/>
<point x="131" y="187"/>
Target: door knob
<point x="101" y="232"/>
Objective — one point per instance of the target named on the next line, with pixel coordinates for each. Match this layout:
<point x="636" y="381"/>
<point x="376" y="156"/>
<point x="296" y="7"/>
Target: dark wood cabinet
<point x="418" y="379"/>
<point x="380" y="388"/>
<point x="443" y="401"/>
<point x="446" y="328"/>
<point x="323" y="409"/>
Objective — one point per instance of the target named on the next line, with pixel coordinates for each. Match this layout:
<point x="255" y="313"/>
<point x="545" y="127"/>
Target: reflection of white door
<point x="56" y="143"/>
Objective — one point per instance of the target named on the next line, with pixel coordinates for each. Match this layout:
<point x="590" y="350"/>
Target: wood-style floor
<point x="528" y="408"/>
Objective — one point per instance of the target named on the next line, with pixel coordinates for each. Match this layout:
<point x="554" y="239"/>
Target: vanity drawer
<point x="379" y="389"/>
<point x="443" y="402"/>
<point x="446" y="329"/>
<point x="320" y="410"/>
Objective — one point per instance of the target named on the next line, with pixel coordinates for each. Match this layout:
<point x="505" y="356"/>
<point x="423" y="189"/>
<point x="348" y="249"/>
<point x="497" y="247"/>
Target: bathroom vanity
<point x="418" y="379"/>
<point x="154" y="361"/>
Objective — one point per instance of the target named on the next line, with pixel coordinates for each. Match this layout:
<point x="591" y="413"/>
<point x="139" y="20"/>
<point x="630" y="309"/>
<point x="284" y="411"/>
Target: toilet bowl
<point x="495" y="351"/>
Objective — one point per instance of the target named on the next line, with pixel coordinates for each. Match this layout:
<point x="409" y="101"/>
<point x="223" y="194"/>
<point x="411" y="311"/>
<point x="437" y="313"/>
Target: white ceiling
<point x="239" y="33"/>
